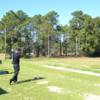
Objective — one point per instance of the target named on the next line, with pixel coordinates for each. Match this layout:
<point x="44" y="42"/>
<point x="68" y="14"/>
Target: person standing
<point x="16" y="66"/>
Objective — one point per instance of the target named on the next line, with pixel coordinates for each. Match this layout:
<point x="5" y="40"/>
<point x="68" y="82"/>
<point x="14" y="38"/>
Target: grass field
<point x="37" y="82"/>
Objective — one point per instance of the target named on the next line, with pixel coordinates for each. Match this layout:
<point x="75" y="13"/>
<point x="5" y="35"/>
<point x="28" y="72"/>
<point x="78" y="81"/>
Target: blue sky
<point x="63" y="7"/>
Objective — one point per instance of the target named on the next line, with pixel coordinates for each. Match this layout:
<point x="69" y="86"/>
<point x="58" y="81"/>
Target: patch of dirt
<point x="55" y="89"/>
<point x="73" y="70"/>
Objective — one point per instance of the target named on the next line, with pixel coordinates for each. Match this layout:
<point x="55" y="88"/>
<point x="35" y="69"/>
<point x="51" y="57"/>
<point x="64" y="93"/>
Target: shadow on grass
<point x="2" y="72"/>
<point x="2" y="91"/>
<point x="29" y="80"/>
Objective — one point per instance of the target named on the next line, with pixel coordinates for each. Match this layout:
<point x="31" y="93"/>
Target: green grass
<point x="74" y="85"/>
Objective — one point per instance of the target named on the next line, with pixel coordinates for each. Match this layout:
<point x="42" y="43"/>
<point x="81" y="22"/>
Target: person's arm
<point x="12" y="58"/>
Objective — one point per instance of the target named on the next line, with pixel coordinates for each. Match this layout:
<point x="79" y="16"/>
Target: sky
<point x="63" y="7"/>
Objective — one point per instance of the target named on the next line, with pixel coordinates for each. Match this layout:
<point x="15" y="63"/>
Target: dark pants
<point x="16" y="72"/>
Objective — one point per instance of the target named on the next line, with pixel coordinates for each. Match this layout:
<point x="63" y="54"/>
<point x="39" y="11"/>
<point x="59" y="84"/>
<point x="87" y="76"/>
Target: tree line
<point x="42" y="35"/>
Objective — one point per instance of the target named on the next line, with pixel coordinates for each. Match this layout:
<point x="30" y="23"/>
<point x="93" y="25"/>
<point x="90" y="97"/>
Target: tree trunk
<point x="60" y="48"/>
<point x="76" y="47"/>
<point x="48" y="46"/>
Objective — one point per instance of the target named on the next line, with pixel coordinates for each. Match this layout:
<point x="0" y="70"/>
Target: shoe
<point x="10" y="81"/>
<point x="15" y="82"/>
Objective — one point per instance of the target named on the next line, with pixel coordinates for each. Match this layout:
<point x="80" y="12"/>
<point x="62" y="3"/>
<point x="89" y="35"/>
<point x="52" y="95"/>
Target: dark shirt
<point x="16" y="58"/>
